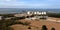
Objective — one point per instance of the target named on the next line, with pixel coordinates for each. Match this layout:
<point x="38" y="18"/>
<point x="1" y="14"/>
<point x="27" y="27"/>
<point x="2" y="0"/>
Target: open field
<point x="37" y="24"/>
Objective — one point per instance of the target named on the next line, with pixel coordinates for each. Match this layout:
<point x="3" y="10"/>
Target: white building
<point x="38" y="13"/>
<point x="1" y="17"/>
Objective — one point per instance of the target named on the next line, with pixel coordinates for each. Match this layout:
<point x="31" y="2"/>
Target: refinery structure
<point x="33" y="15"/>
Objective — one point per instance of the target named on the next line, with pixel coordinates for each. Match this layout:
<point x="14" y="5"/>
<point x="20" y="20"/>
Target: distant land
<point x="19" y="10"/>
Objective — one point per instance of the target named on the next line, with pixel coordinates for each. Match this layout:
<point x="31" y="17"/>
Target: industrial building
<point x="33" y="15"/>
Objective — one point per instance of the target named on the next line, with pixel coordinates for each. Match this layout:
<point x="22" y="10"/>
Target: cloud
<point x="23" y="4"/>
<point x="54" y="0"/>
<point x="8" y="0"/>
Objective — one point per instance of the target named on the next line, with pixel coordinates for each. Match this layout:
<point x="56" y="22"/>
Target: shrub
<point x="29" y="27"/>
<point x="54" y="15"/>
<point x="7" y="28"/>
<point x="26" y="23"/>
<point x="23" y="23"/>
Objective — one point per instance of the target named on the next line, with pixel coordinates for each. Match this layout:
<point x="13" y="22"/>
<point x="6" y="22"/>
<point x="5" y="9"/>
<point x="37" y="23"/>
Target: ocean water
<point x="19" y="10"/>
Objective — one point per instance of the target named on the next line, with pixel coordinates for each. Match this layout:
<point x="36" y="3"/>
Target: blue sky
<point x="29" y="3"/>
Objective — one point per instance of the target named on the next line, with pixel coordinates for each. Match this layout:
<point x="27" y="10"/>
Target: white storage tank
<point x="1" y="17"/>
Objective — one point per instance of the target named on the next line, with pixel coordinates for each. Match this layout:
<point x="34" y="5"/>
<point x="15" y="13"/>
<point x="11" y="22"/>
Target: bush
<point x="4" y="25"/>
<point x="26" y="23"/>
<point x="29" y="27"/>
<point x="22" y="17"/>
<point x="57" y="15"/>
<point x="23" y="23"/>
<point x="7" y="15"/>
<point x="7" y="28"/>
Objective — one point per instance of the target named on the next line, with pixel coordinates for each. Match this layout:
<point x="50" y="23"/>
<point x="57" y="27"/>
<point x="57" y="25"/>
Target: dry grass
<point x="37" y="25"/>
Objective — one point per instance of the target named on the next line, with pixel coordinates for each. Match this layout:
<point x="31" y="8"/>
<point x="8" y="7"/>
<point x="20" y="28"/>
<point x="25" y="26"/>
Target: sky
<point x="30" y="4"/>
